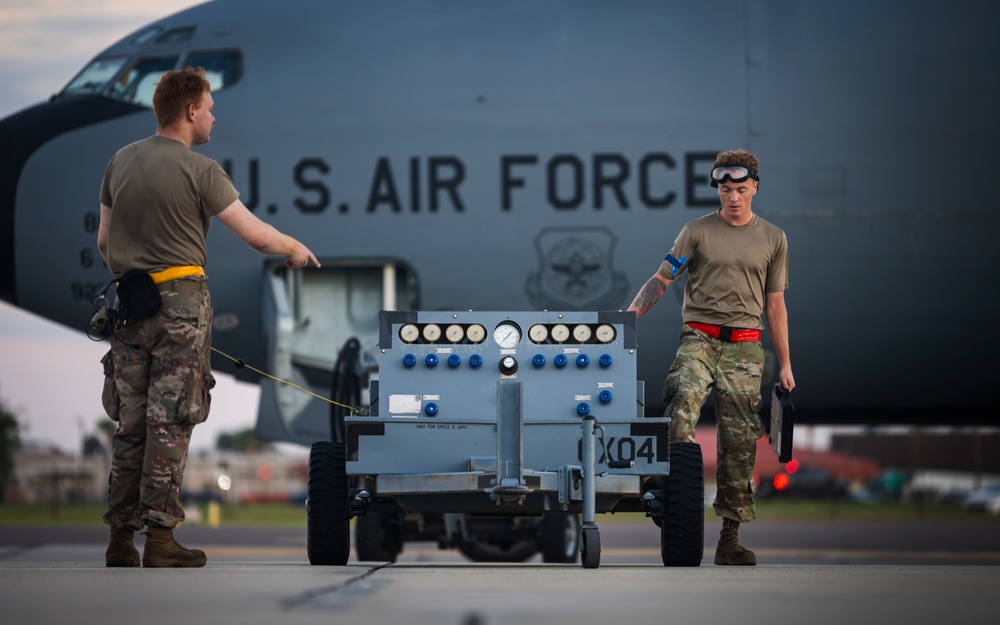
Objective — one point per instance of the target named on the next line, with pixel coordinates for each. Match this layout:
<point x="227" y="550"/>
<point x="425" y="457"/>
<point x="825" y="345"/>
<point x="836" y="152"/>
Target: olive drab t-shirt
<point x="730" y="269"/>
<point x="162" y="197"/>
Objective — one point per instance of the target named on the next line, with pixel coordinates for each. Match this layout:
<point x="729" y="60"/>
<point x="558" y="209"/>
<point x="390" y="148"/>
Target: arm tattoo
<point x="648" y="295"/>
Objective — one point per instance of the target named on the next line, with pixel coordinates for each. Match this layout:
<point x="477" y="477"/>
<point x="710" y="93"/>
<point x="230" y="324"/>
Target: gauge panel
<point x="507" y="333"/>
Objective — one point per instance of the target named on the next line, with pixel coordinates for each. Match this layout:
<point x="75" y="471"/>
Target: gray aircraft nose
<point x="20" y="135"/>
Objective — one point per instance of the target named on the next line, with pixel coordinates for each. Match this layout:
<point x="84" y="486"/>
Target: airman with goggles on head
<point x="733" y="173"/>
<point x="726" y="298"/>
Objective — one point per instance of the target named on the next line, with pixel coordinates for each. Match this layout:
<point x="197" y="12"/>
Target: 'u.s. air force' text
<point x="654" y="180"/>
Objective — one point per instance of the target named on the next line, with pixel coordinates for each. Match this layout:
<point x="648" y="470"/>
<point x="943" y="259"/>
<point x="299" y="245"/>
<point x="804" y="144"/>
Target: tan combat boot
<point x="730" y="552"/>
<point x="121" y="550"/>
<point x="163" y="551"/>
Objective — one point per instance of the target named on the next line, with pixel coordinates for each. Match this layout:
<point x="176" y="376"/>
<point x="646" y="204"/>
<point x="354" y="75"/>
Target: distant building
<point x="45" y="474"/>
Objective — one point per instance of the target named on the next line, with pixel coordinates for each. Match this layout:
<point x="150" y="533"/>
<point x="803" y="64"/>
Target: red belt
<point x="725" y="333"/>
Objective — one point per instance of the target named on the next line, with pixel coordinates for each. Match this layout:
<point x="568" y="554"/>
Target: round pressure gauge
<point x="605" y="333"/>
<point x="560" y="333"/>
<point x="538" y="333"/>
<point x="454" y="333"/>
<point x="476" y="333"/>
<point x="432" y="332"/>
<point x="507" y="334"/>
<point x="409" y="333"/>
<point x="582" y="333"/>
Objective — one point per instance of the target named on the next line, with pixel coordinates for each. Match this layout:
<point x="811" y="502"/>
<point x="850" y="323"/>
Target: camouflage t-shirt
<point x="730" y="269"/>
<point x="162" y="197"/>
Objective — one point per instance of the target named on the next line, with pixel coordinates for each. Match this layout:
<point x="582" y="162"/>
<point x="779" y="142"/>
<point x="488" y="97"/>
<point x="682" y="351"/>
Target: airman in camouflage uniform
<point x="737" y="270"/>
<point x="157" y="389"/>
<point x="158" y="198"/>
<point x="734" y="369"/>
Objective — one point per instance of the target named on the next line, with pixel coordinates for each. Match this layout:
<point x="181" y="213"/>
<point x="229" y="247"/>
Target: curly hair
<point x="737" y="157"/>
<point x="175" y="91"/>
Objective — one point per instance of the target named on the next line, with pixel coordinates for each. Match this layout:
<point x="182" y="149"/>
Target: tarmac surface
<point x="809" y="572"/>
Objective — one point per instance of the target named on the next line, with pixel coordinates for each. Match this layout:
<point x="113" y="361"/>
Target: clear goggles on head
<point x="735" y="173"/>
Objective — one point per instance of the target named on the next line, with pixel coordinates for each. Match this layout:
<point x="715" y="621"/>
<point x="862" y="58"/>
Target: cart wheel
<point x="328" y="530"/>
<point x="378" y="537"/>
<point x="517" y="551"/>
<point x="682" y="532"/>
<point x="590" y="547"/>
<point x="560" y="538"/>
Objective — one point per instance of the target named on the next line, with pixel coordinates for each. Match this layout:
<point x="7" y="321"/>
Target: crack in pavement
<point x="311" y="595"/>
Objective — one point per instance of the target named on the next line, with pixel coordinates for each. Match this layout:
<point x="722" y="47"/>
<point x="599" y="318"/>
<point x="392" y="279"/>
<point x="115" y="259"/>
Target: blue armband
<point x="679" y="265"/>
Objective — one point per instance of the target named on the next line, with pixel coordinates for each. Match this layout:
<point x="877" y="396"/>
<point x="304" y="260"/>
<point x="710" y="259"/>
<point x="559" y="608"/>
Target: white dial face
<point x="409" y="333"/>
<point x="605" y="333"/>
<point x="432" y="332"/>
<point x="507" y="335"/>
<point x="581" y="333"/>
<point x="454" y="333"/>
<point x="476" y="333"/>
<point x="538" y="333"/>
<point x="560" y="333"/>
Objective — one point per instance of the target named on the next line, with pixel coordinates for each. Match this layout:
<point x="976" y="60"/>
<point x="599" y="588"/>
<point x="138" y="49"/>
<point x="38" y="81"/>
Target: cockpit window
<point x="222" y="68"/>
<point x="95" y="76"/>
<point x="137" y="83"/>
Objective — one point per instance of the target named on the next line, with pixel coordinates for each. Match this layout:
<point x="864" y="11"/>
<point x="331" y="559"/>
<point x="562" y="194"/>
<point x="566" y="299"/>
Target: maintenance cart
<point x="504" y="433"/>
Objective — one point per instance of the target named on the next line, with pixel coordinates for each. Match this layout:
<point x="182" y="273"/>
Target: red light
<point x="792" y="466"/>
<point x="781" y="481"/>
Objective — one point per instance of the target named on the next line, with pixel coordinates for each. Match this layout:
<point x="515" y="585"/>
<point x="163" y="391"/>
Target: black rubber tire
<point x="328" y="515"/>
<point x="682" y="532"/>
<point x="590" y="547"/>
<point x="346" y="388"/>
<point x="490" y="552"/>
<point x="559" y="538"/>
<point x="376" y="537"/>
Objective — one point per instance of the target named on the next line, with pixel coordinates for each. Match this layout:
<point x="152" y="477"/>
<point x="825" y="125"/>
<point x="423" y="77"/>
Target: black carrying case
<point x="782" y="423"/>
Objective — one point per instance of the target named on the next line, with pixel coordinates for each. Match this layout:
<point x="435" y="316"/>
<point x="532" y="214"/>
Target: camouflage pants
<point x="734" y="371"/>
<point x="157" y="386"/>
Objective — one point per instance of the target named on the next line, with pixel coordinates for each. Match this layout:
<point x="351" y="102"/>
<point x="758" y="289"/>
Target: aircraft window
<point x="176" y="35"/>
<point x="137" y="83"/>
<point x="147" y="35"/>
<point x="222" y="67"/>
<point x="93" y="77"/>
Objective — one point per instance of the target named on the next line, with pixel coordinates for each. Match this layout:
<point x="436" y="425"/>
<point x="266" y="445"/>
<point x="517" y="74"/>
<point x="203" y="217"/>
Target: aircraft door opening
<point x="312" y="315"/>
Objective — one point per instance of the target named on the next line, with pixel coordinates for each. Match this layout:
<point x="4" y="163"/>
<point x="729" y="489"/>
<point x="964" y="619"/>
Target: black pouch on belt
<point x="138" y="295"/>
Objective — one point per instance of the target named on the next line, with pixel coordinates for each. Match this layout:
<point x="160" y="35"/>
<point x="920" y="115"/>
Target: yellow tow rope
<point x="241" y="364"/>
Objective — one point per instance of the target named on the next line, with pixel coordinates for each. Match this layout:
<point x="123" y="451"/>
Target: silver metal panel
<point x="625" y="485"/>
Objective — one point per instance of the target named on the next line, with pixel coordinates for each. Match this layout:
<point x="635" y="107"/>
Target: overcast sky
<point x="50" y="375"/>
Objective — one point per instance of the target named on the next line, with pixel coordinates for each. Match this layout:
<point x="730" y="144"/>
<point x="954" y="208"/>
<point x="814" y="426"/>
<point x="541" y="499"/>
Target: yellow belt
<point x="174" y="273"/>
